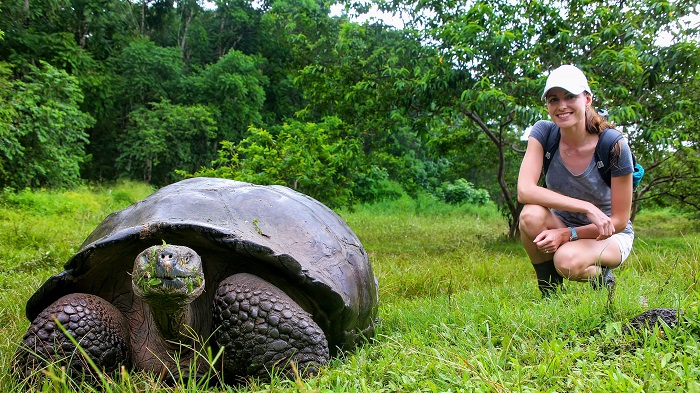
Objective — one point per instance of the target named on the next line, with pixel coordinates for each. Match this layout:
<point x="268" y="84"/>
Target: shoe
<point x="606" y="279"/>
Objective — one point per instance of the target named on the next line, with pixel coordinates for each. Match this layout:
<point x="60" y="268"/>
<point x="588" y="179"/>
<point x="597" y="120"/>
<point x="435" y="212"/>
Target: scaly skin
<point x="166" y="279"/>
<point x="262" y="329"/>
<point x="99" y="328"/>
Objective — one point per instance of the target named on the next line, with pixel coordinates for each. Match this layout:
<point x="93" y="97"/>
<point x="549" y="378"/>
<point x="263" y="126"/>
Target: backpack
<point x="607" y="139"/>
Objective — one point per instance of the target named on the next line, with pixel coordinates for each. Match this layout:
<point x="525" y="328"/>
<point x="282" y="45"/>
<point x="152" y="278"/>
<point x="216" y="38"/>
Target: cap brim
<point x="572" y="90"/>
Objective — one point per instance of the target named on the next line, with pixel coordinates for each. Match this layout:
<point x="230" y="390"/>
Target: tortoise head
<point x="168" y="275"/>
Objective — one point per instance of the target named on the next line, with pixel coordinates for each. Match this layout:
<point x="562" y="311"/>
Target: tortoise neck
<point x="172" y="323"/>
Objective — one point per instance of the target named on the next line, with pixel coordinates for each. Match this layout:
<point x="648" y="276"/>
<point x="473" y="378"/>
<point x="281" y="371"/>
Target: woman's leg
<point x="533" y="220"/>
<point x="583" y="259"/>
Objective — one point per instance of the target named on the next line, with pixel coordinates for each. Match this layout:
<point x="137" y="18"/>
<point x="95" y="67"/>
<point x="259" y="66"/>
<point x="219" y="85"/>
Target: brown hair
<point x="596" y="123"/>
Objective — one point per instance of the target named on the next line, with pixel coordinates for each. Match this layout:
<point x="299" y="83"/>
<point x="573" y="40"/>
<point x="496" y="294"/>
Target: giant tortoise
<point x="265" y="274"/>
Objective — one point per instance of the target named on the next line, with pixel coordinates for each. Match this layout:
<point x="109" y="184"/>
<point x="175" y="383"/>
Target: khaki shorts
<point x="624" y="241"/>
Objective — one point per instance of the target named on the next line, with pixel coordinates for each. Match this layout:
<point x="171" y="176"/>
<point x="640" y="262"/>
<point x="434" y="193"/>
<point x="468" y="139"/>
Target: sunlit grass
<point x="459" y="307"/>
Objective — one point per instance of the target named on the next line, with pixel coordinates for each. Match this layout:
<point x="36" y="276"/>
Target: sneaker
<point x="606" y="279"/>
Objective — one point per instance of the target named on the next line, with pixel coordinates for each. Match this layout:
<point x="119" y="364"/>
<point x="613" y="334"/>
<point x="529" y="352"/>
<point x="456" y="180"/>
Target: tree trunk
<point x="143" y="16"/>
<point x="148" y="171"/>
<point x="513" y="208"/>
<point x="183" y="38"/>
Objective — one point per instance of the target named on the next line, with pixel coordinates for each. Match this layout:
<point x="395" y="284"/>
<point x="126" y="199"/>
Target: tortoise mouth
<point x="189" y="286"/>
<point x="174" y="283"/>
<point x="177" y="282"/>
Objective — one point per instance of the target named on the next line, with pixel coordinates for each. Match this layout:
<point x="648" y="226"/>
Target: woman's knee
<point x="573" y="262"/>
<point x="567" y="262"/>
<point x="532" y="218"/>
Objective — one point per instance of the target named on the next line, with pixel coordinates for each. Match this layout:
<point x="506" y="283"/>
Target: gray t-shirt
<point x="589" y="185"/>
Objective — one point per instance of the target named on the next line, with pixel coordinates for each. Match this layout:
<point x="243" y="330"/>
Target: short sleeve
<point x="541" y="130"/>
<point x="624" y="165"/>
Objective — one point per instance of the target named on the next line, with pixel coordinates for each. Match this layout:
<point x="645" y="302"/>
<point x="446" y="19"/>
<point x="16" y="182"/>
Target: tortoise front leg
<point x="261" y="329"/>
<point x="99" y="328"/>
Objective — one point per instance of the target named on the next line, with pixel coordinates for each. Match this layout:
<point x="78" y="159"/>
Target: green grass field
<point x="459" y="307"/>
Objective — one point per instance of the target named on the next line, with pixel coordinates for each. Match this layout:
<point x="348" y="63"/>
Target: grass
<point x="459" y="308"/>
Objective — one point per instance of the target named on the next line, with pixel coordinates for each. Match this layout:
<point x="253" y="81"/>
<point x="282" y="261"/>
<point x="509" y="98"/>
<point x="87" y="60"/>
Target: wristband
<point x="574" y="235"/>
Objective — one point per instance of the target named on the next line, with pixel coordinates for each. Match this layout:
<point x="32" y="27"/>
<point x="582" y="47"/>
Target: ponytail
<point x="596" y="123"/>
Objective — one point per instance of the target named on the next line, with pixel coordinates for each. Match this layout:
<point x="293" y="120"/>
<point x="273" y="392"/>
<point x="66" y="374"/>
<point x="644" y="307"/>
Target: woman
<point x="577" y="227"/>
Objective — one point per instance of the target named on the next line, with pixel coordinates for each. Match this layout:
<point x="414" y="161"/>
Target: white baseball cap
<point x="569" y="78"/>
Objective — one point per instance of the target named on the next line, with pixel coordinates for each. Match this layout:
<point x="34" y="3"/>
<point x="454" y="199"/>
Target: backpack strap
<point x="550" y="147"/>
<point x="606" y="141"/>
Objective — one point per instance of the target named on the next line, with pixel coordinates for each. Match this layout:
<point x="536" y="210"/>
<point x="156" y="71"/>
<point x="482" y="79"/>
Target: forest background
<point x="286" y="92"/>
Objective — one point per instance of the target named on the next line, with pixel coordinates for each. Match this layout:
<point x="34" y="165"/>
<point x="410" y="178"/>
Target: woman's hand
<point x="548" y="241"/>
<point x="605" y="225"/>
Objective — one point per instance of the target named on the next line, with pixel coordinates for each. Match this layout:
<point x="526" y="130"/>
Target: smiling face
<point x="567" y="110"/>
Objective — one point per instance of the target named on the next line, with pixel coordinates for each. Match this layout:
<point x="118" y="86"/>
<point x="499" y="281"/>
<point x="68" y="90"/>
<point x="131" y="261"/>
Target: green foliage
<point x="493" y="49"/>
<point x="235" y="21"/>
<point x="672" y="151"/>
<point x="165" y="138"/>
<point x="313" y="158"/>
<point x="234" y="86"/>
<point x="146" y="73"/>
<point x="376" y="186"/>
<point x="10" y="145"/>
<point x="57" y="48"/>
<point x="387" y="88"/>
<point x="462" y="191"/>
<point x="459" y="306"/>
<point x="42" y="129"/>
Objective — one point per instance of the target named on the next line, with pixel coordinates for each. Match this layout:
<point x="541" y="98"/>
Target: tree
<point x="388" y="88"/>
<point x="293" y="35"/>
<point x="133" y="77"/>
<point x="9" y="143"/>
<point x="41" y="128"/>
<point x="165" y="138"/>
<point x="146" y="73"/>
<point x="236" y="27"/>
<point x="674" y="176"/>
<point x="235" y="86"/>
<point x="493" y="47"/>
<point x="317" y="159"/>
